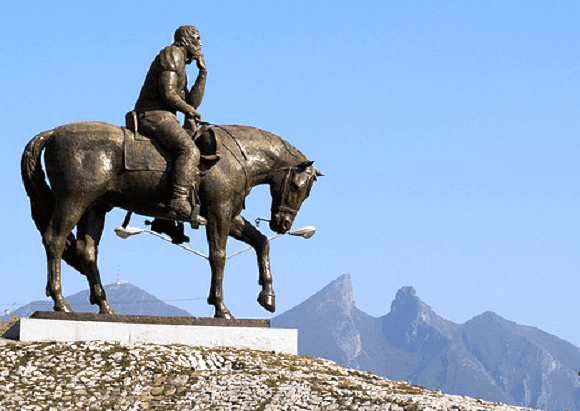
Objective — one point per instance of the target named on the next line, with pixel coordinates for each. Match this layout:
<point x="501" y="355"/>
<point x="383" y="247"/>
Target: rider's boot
<point x="180" y="208"/>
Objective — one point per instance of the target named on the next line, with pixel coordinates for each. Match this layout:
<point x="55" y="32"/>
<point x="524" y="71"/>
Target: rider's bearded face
<point x="194" y="47"/>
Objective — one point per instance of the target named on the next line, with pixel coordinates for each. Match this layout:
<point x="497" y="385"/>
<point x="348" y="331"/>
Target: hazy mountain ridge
<point x="125" y="298"/>
<point x="487" y="356"/>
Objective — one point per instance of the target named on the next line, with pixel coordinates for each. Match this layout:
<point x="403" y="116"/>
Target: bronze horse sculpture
<point x="86" y="167"/>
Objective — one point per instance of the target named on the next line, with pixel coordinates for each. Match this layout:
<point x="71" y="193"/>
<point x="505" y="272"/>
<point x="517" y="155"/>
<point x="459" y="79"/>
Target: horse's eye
<point x="294" y="187"/>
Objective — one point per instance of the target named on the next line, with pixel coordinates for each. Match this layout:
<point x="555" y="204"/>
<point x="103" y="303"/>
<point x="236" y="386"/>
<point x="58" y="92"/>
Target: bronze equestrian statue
<point x="93" y="167"/>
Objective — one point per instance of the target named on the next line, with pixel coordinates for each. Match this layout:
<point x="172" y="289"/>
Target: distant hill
<point x="125" y="298"/>
<point x="487" y="357"/>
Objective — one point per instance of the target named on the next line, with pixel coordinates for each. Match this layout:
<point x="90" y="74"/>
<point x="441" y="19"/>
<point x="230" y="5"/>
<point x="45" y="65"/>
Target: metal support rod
<point x="180" y="245"/>
<point x="126" y="232"/>
<point x="248" y="247"/>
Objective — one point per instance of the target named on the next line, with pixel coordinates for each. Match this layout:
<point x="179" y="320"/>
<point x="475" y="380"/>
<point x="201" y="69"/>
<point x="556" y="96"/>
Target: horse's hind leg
<point x="243" y="231"/>
<point x="89" y="232"/>
<point x="64" y="218"/>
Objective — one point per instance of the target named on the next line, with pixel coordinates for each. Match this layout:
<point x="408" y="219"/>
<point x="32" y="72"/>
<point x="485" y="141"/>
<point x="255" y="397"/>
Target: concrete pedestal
<point x="248" y="335"/>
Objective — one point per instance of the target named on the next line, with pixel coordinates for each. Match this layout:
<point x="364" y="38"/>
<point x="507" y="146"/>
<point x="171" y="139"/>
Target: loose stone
<point x="98" y="375"/>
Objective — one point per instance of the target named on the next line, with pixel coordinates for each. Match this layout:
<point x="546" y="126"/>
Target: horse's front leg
<point x="244" y="231"/>
<point x="217" y="231"/>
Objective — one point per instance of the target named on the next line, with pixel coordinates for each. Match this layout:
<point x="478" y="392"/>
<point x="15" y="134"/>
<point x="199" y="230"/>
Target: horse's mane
<point x="249" y="139"/>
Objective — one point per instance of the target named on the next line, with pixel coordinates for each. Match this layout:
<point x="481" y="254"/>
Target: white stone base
<point x="267" y="339"/>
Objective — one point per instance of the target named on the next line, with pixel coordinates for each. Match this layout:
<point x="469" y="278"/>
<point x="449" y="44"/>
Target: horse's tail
<point x="42" y="201"/>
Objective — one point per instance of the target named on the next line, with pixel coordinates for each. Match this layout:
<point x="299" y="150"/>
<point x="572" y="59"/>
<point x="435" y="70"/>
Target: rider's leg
<point x="180" y="145"/>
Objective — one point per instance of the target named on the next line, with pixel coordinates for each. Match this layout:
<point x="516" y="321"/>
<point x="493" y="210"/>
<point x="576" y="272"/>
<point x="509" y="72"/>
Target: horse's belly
<point x="143" y="185"/>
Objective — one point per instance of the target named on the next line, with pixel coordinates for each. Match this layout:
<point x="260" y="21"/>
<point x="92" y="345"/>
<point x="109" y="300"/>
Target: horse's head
<point x="289" y="187"/>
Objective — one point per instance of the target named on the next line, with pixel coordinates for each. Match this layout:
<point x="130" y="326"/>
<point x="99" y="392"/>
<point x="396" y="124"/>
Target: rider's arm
<point x="172" y="62"/>
<point x="195" y="96"/>
<point x="172" y="93"/>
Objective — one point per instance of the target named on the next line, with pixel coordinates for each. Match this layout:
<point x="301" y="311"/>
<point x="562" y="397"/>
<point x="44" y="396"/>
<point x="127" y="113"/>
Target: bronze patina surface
<point x="88" y="176"/>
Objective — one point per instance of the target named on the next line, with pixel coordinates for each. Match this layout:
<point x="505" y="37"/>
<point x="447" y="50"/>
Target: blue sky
<point x="448" y="132"/>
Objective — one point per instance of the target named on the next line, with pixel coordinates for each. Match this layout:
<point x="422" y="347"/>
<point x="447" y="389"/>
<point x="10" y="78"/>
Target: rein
<point x="288" y="172"/>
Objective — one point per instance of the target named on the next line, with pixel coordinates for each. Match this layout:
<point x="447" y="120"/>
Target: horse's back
<point x="85" y="133"/>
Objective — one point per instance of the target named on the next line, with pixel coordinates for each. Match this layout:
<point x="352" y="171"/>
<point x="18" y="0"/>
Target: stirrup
<point x="193" y="218"/>
<point x="181" y="214"/>
<point x="196" y="219"/>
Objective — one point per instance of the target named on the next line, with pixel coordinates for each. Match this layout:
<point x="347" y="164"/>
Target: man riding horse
<point x="163" y="94"/>
<point x="86" y="166"/>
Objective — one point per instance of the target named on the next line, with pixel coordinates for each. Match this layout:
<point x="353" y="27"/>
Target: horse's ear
<point x="305" y="164"/>
<point x="318" y="173"/>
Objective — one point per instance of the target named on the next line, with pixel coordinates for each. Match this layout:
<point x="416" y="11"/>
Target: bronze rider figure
<point x="163" y="94"/>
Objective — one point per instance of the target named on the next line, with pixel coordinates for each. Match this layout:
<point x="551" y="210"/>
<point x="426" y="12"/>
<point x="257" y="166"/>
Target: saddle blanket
<point x="142" y="153"/>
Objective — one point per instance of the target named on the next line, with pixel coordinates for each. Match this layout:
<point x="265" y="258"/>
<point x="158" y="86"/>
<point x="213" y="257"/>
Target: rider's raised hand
<point x="199" y="60"/>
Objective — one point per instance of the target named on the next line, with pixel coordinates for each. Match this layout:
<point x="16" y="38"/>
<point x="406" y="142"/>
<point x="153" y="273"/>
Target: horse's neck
<point x="267" y="154"/>
<point x="261" y="167"/>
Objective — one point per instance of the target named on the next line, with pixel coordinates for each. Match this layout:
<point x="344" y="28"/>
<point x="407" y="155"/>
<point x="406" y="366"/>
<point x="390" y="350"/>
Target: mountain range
<point x="125" y="298"/>
<point x="486" y="357"/>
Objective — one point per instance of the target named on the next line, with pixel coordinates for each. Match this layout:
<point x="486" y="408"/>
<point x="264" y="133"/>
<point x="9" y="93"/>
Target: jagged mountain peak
<point x="342" y="286"/>
<point x="326" y="322"/>
<point x="410" y="319"/>
<point x="337" y="294"/>
<point x="334" y="299"/>
<point x="488" y="356"/>
<point x="408" y="306"/>
<point x="407" y="290"/>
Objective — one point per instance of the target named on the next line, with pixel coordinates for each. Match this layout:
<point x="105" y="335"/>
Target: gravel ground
<point x="102" y="375"/>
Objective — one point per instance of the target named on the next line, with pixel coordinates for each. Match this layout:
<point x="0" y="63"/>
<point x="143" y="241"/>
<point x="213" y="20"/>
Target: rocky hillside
<point x="113" y="376"/>
<point x="487" y="357"/>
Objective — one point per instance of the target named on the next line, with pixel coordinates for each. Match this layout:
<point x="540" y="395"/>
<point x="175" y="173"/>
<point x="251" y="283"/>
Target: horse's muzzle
<point x="281" y="223"/>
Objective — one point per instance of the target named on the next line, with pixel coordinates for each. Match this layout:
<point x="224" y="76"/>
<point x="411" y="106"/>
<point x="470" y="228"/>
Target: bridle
<point x="281" y="208"/>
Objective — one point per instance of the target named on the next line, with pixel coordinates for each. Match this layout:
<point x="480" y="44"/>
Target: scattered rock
<point x="106" y="375"/>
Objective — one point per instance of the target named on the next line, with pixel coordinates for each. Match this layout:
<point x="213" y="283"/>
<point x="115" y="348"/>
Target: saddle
<point x="143" y="153"/>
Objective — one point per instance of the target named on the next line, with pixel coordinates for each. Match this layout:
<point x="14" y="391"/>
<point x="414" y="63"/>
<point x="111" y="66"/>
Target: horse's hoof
<point x="63" y="307"/>
<point x="106" y="309"/>
<point x="268" y="301"/>
<point x="225" y="314"/>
